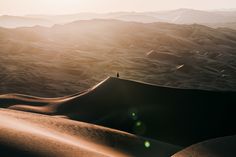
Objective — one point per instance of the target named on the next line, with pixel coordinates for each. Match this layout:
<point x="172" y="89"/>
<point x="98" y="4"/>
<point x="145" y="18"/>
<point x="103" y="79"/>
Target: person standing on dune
<point x="118" y="75"/>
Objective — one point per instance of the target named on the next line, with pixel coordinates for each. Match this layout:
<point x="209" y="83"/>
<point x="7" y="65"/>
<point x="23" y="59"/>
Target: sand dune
<point x="193" y="64"/>
<point x="179" y="116"/>
<point x="27" y="134"/>
<point x="220" y="147"/>
<point x="65" y="59"/>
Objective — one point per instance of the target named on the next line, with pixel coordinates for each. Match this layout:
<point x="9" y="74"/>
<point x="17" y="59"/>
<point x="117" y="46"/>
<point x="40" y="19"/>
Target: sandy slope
<point x="178" y="116"/>
<point x="220" y="147"/>
<point x="27" y="134"/>
<point x="65" y="59"/>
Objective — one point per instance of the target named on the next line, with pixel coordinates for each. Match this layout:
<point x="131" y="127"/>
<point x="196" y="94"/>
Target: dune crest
<point x="40" y="135"/>
<point x="131" y="106"/>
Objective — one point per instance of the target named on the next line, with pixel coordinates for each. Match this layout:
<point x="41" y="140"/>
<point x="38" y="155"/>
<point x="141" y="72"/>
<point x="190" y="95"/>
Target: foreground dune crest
<point x="131" y="106"/>
<point x="31" y="134"/>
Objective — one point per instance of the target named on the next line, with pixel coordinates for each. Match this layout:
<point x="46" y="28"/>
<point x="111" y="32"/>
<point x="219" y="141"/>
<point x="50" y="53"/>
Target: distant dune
<point x="65" y="59"/>
<point x="178" y="116"/>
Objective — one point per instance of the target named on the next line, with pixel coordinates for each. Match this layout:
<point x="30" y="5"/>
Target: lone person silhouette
<point x="118" y="75"/>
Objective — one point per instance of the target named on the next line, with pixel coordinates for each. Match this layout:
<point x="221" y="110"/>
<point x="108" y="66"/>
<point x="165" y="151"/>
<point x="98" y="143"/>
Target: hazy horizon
<point x="25" y="7"/>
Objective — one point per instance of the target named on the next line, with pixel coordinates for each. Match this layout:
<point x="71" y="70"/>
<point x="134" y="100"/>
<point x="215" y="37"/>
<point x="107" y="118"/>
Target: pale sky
<point x="22" y="7"/>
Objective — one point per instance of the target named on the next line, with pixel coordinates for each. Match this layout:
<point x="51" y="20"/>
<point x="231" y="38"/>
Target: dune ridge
<point x="41" y="135"/>
<point x="188" y="113"/>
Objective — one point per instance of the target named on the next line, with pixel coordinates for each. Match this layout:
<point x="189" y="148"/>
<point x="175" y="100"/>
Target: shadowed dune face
<point x="65" y="59"/>
<point x="220" y="147"/>
<point x="178" y="116"/>
<point x="26" y="134"/>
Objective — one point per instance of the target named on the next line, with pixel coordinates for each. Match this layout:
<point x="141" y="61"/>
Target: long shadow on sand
<point x="178" y="116"/>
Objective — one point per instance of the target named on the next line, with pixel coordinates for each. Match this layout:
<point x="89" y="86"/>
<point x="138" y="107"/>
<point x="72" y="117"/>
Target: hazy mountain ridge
<point x="180" y="16"/>
<point x="17" y="21"/>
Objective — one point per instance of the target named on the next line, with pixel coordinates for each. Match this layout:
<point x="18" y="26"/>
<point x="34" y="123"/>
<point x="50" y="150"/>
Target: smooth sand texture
<point x="177" y="116"/>
<point x="27" y="134"/>
<point x="220" y="147"/>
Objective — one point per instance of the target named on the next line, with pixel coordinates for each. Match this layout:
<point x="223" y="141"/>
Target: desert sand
<point x="27" y="134"/>
<point x="64" y="59"/>
<point x="176" y="116"/>
<point x="220" y="147"/>
<point x="186" y="93"/>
